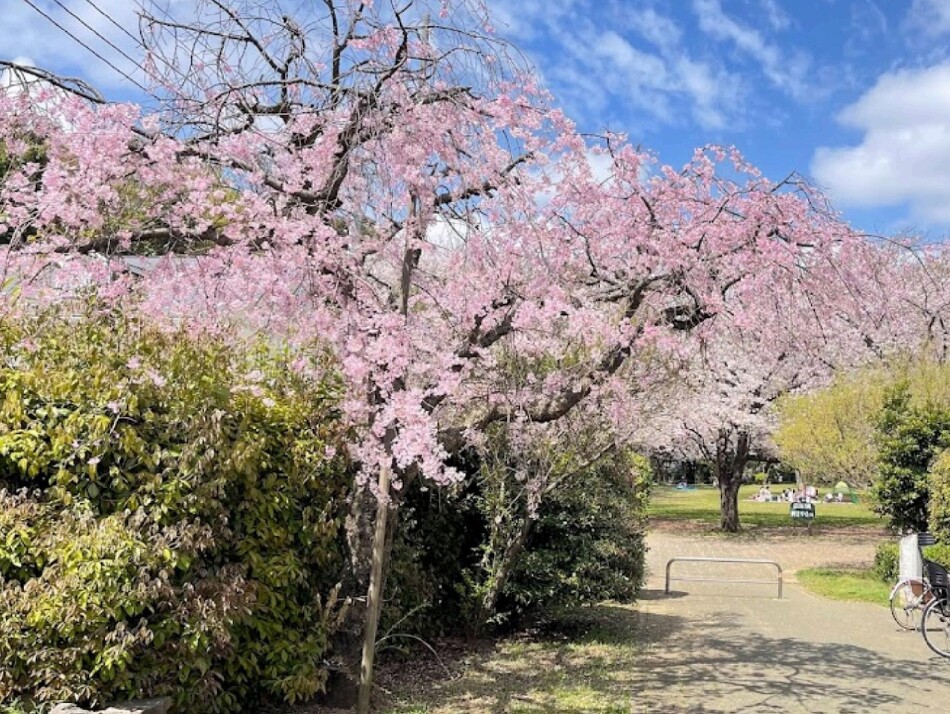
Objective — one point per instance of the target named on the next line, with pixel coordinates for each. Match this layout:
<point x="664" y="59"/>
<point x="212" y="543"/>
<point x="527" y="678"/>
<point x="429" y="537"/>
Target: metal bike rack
<point x="750" y="561"/>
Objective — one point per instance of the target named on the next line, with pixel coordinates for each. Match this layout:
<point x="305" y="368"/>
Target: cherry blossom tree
<point x="387" y="183"/>
<point x="864" y="303"/>
<point x="720" y="410"/>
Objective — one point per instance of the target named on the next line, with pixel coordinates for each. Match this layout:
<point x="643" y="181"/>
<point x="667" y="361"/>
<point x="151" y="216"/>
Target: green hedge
<point x="586" y="546"/>
<point x="909" y="437"/>
<point x="939" y="553"/>
<point x="588" y="543"/>
<point x="939" y="506"/>
<point x="169" y="517"/>
<point x="887" y="561"/>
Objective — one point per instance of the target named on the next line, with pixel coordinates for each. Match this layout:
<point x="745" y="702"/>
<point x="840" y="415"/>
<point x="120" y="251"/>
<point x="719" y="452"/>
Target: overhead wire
<point x="137" y="40"/>
<point x="201" y="41"/>
<point x="87" y="47"/>
<point x="113" y="21"/>
<point x="98" y="34"/>
<point x="171" y="65"/>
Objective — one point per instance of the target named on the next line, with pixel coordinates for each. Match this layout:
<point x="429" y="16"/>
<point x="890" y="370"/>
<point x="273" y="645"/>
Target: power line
<point x="97" y="33"/>
<point x="200" y="40"/>
<point x="138" y="40"/>
<point x="112" y="20"/>
<point x="87" y="47"/>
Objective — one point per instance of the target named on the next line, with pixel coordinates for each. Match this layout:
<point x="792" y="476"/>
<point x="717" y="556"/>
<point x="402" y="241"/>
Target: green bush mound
<point x="588" y="543"/>
<point x="887" y="561"/>
<point x="909" y="436"/>
<point x="939" y="504"/>
<point x="939" y="553"/>
<point x="169" y="517"/>
<point x="586" y="546"/>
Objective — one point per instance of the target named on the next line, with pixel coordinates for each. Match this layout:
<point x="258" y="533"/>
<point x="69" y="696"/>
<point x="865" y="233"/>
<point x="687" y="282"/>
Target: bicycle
<point x="935" y="623"/>
<point x="910" y="596"/>
<point x="908" y="600"/>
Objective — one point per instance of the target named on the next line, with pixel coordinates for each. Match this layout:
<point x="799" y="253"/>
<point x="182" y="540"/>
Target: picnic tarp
<point x="843" y="487"/>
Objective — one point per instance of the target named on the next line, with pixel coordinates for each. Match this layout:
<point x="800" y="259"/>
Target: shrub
<point x="588" y="543"/>
<point x="171" y="510"/>
<point x="939" y="553"/>
<point x="939" y="487"/>
<point x="586" y="546"/>
<point x="909" y="438"/>
<point x="887" y="561"/>
<point x="435" y="556"/>
<point x="828" y="435"/>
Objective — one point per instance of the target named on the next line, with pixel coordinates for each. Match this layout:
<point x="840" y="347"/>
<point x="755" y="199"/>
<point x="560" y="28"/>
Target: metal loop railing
<point x="750" y="561"/>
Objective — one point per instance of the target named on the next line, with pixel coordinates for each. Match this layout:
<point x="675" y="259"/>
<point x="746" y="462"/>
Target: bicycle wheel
<point x="935" y="627"/>
<point x="906" y="606"/>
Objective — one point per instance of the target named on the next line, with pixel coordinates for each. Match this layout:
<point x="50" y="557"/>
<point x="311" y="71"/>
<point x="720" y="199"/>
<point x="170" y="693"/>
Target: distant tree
<point x="829" y="435"/>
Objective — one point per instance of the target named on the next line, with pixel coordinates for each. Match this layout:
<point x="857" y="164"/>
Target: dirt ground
<point x="791" y="547"/>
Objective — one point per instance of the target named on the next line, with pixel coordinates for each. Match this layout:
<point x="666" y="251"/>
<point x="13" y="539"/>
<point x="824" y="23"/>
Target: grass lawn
<point x="580" y="667"/>
<point x="854" y="585"/>
<point x="702" y="505"/>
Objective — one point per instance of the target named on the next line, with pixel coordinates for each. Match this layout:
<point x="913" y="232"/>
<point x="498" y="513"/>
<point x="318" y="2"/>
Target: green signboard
<point x="802" y="510"/>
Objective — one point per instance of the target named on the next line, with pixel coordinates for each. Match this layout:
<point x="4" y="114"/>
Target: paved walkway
<point x="735" y="648"/>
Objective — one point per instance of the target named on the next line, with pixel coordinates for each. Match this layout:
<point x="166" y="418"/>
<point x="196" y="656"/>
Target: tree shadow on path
<point x="612" y="659"/>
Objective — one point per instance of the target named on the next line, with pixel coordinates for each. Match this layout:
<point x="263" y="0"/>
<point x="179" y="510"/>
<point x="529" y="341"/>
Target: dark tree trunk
<point x="731" y="459"/>
<point x="502" y="570"/>
<point x="729" y="502"/>
<point x="342" y="688"/>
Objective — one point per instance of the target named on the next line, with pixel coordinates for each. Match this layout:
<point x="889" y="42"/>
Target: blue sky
<point x="853" y="93"/>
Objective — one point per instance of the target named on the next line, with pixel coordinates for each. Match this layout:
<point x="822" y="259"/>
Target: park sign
<point x="802" y="510"/>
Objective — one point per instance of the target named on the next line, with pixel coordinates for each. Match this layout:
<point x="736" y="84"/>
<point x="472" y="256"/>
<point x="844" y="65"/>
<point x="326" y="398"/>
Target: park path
<point x="714" y="647"/>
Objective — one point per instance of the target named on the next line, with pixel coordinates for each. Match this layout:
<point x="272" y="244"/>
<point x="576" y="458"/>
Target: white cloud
<point x="775" y="15"/>
<point x="601" y="68"/>
<point x="931" y="17"/>
<point x="601" y="165"/>
<point x="707" y="88"/>
<point x="787" y="71"/>
<point x="524" y="20"/>
<point x="621" y="62"/>
<point x="656" y="28"/>
<point x="904" y="155"/>
<point x="615" y="49"/>
<point x="867" y="19"/>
